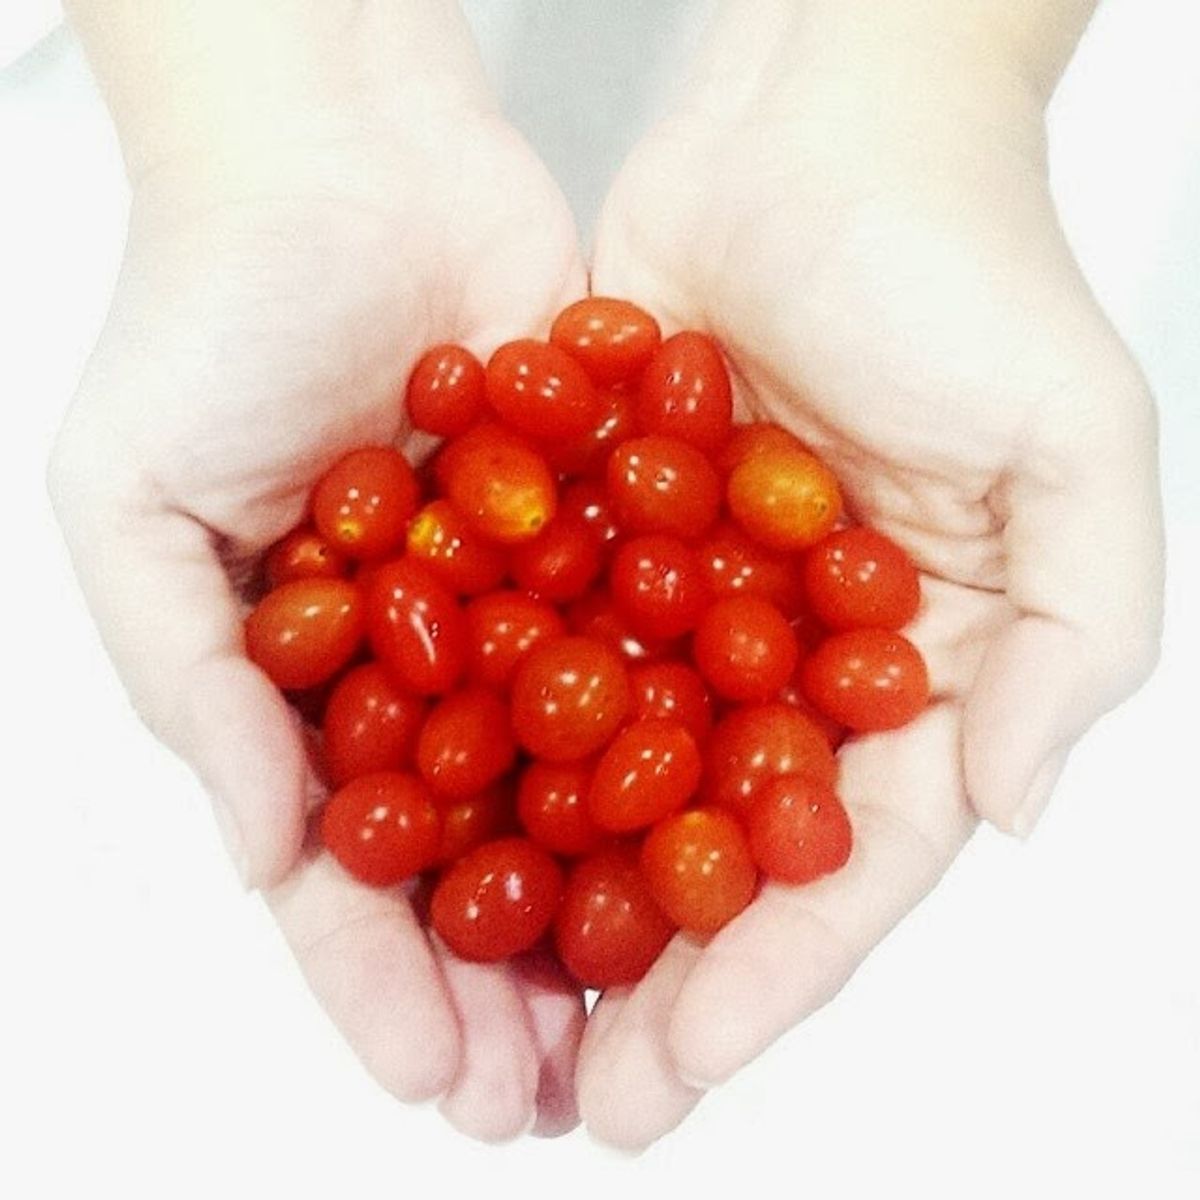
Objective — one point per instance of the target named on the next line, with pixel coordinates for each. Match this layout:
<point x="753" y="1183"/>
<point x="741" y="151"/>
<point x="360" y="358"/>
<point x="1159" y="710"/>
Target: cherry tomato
<point x="798" y="830"/>
<point x="748" y="440"/>
<point x="304" y="632"/>
<point x="745" y="649"/>
<point x="784" y="498"/>
<point x="502" y="627"/>
<point x="698" y="868"/>
<point x="658" y="585"/>
<point x="685" y="392"/>
<point x="370" y="725"/>
<point x="303" y="554"/>
<point x="859" y="579"/>
<point x="663" y="485"/>
<point x="362" y="504"/>
<point x="588" y="500"/>
<point x="608" y="930"/>
<point x="471" y="822"/>
<point x="560" y="564"/>
<point x="465" y="744"/>
<point x="650" y="769"/>
<point x="588" y="453"/>
<point x="552" y="807"/>
<point x="867" y="679"/>
<point x="568" y="698"/>
<point x="454" y="551"/>
<point x="541" y="391"/>
<point x="445" y="393"/>
<point x="674" y="691"/>
<point x="416" y="627"/>
<point x="498" y="482"/>
<point x="497" y="900"/>
<point x="792" y="694"/>
<point x="754" y="744"/>
<point x="613" y="339"/>
<point x="596" y="616"/>
<point x="734" y="564"/>
<point x="382" y="828"/>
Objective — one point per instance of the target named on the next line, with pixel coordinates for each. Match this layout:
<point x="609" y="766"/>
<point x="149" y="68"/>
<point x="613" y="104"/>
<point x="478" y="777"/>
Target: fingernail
<point x="1038" y="796"/>
<point x="235" y="843"/>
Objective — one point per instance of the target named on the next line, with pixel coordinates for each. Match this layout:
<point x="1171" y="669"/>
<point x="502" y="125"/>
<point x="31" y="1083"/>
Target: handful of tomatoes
<point x="585" y="671"/>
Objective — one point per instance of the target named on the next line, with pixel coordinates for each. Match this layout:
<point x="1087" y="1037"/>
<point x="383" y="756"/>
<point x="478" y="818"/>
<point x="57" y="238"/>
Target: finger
<point x="554" y="1005"/>
<point x="795" y="947"/>
<point x="1083" y="541"/>
<point x="172" y="626"/>
<point x="367" y="961"/>
<point x="492" y="1096"/>
<point x="630" y="1093"/>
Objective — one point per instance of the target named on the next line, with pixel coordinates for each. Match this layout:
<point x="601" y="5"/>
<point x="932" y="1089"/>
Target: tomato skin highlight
<point x="497" y="900"/>
<point x="541" y="391"/>
<point x="440" y="537"/>
<point x="382" y="827"/>
<point x="587" y="454"/>
<point x="698" y="868"/>
<point x="608" y="930"/>
<point x="685" y="393"/>
<point x="663" y="485"/>
<point x="596" y="616"/>
<point x="859" y="579"/>
<point x="568" y="698"/>
<point x="502" y="627"/>
<point x="784" y="499"/>
<point x="745" y="649"/>
<point x="304" y="632"/>
<point x="468" y="823"/>
<point x="303" y="554"/>
<point x="369" y="725"/>
<point x="747" y="441"/>
<point x="465" y="744"/>
<point x="612" y="339"/>
<point x="867" y="679"/>
<point x="363" y="503"/>
<point x="552" y="807"/>
<point x="650" y="769"/>
<point x="674" y="691"/>
<point x="445" y="393"/>
<point x="416" y="627"/>
<point x="798" y="830"/>
<point x="658" y="585"/>
<point x="732" y="563"/>
<point x="560" y="564"/>
<point x="588" y="500"/>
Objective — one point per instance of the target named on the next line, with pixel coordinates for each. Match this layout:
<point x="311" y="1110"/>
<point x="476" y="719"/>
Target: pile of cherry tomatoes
<point x="584" y="671"/>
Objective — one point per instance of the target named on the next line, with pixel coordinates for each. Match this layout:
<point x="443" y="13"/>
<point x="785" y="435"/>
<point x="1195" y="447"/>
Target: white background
<point x="1033" y="1029"/>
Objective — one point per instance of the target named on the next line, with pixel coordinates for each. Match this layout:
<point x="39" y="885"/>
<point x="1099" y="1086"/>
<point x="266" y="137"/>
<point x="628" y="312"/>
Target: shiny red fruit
<point x="469" y="823"/>
<point x="663" y="485"/>
<point x="465" y="744"/>
<point x="441" y="538"/>
<point x="612" y="339"/>
<point x="859" y="579"/>
<point x="595" y="616"/>
<point x="369" y="725"/>
<point x="745" y="649"/>
<point x="650" y="769"/>
<point x="552" y="807"/>
<point x="560" y="564"/>
<point x="674" y="691"/>
<point x="798" y="830"/>
<point x="303" y="554"/>
<point x="304" y="632"/>
<point x="363" y="503"/>
<point x="445" y="394"/>
<point x="497" y="900"/>
<point x="382" y="828"/>
<point x="541" y="391"/>
<point x="685" y="393"/>
<point x="588" y="453"/>
<point x="867" y="679"/>
<point x="746" y="441"/>
<point x="734" y="564"/>
<point x="502" y="628"/>
<point x="657" y="584"/>
<point x="588" y="500"/>
<point x="784" y="498"/>
<point x="608" y="930"/>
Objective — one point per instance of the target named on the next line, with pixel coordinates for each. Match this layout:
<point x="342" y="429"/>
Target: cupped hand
<point x="889" y="280"/>
<point x="268" y="311"/>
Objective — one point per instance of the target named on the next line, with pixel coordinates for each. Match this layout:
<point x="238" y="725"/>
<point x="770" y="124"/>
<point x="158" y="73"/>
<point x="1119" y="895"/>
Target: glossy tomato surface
<point x="751" y="439"/>
<point x="502" y="627"/>
<point x="304" y="632"/>
<point x="560" y="564"/>
<point x="612" y="339"/>
<point x="786" y="499"/>
<point x="734" y="564"/>
<point x="369" y="725"/>
<point x="465" y="744"/>
<point x="798" y="830"/>
<point x="588" y="500"/>
<point x="484" y="817"/>
<point x="671" y="690"/>
<point x="663" y="485"/>
<point x="541" y="391"/>
<point x="596" y="616"/>
<point x="445" y="394"/>
<point x="587" y="454"/>
<point x="745" y="648"/>
<point x="685" y="393"/>
<point x="552" y="807"/>
<point x="363" y="503"/>
<point x="650" y="769"/>
<point x="658" y="585"/>
<point x="859" y="579"/>
<point x="867" y="679"/>
<point x="303" y="554"/>
<point x="441" y="538"/>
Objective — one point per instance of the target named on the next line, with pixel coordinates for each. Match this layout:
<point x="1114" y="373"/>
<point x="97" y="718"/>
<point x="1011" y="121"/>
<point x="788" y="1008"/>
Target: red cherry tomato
<point x="465" y="744"/>
<point x="596" y="616"/>
<point x="754" y="744"/>
<point x="658" y="585"/>
<point x="497" y="900"/>
<point x="698" y="868"/>
<point x="685" y="393"/>
<point x="560" y="564"/>
<point x="650" y="769"/>
<point x="416" y="627"/>
<point x="502" y="627"/>
<point x="568" y="698"/>
<point x="441" y="537"/>
<point x="382" y="828"/>
<point x="663" y="485"/>
<point x="859" y="579"/>
<point x="471" y="822"/>
<point x="445" y="393"/>
<point x="303" y="554"/>
<point x="784" y="498"/>
<point x="588" y="500"/>
<point x="588" y="453"/>
<point x="734" y="564"/>
<point x="541" y="391"/>
<point x="498" y="482"/>
<point x="304" y="632"/>
<point x="363" y="502"/>
<point x="798" y="830"/>
<point x="370" y="725"/>
<point x="674" y="691"/>
<point x="792" y="694"/>
<point x="608" y="930"/>
<point x="749" y="440"/>
<point x="867" y="679"/>
<point x="552" y="807"/>
<point x="745" y="649"/>
<point x="613" y="339"/>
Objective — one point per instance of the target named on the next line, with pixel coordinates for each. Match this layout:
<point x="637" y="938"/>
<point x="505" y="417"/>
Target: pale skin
<point x="328" y="188"/>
